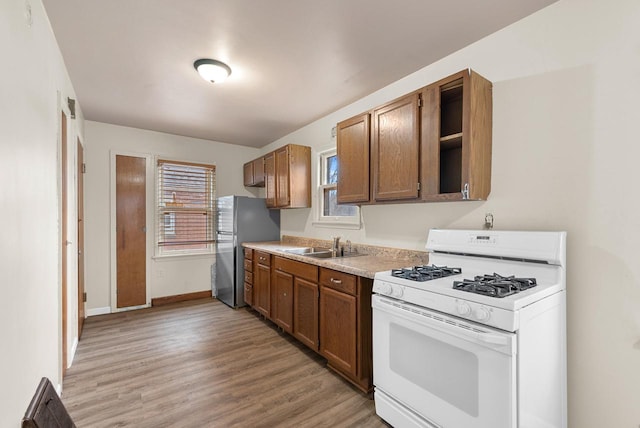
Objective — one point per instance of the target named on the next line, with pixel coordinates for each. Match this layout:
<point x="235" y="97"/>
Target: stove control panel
<point x="388" y="289"/>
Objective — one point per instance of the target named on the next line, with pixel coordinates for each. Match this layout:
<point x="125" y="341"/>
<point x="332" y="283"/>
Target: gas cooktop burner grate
<point x="495" y="285"/>
<point x="425" y="273"/>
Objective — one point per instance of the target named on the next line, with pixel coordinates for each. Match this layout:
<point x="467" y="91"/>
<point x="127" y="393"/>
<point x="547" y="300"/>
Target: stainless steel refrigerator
<point x="240" y="219"/>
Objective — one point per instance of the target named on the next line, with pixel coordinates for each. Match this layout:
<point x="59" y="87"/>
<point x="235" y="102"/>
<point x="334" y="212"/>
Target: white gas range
<point x="477" y="339"/>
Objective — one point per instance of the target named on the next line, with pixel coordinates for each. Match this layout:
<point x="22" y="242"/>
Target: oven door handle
<point x="501" y="342"/>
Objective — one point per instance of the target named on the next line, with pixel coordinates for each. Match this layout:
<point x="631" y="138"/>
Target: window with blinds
<point x="186" y="207"/>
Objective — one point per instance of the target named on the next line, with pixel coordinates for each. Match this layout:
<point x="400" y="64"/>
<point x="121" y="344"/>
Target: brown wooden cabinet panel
<point x="338" y="280"/>
<point x="258" y="172"/>
<point x="262" y="288"/>
<point x="288" y="177"/>
<point x="338" y="329"/>
<point x="248" y="294"/>
<point x="282" y="297"/>
<point x="254" y="173"/>
<point x="456" y="138"/>
<point x="305" y="312"/>
<point x="297" y="269"/>
<point x="396" y="149"/>
<point x="248" y="173"/>
<point x="270" y="179"/>
<point x="353" y="145"/>
<point x="282" y="177"/>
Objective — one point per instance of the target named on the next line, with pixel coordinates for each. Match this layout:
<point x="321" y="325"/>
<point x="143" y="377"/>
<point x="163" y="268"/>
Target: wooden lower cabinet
<point x="248" y="294"/>
<point x="262" y="283"/>
<point x="338" y="313"/>
<point x="327" y="310"/>
<point x="282" y="299"/>
<point x="305" y="312"/>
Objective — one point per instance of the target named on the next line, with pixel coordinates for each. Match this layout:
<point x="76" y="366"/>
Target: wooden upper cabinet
<point x="282" y="176"/>
<point x="288" y="177"/>
<point x="456" y="138"/>
<point x="353" y="137"/>
<point x="248" y="173"/>
<point x="395" y="149"/>
<point x="254" y="173"/>
<point x="270" y="179"/>
<point x="431" y="145"/>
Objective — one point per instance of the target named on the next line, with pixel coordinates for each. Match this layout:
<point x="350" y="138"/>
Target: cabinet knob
<point x="336" y="281"/>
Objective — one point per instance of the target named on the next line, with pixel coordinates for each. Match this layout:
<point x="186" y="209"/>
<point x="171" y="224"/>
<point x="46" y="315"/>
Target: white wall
<point x="34" y="85"/>
<point x="565" y="155"/>
<point x="168" y="276"/>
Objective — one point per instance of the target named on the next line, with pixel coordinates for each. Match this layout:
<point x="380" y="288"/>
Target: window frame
<point x="342" y="222"/>
<point x="160" y="250"/>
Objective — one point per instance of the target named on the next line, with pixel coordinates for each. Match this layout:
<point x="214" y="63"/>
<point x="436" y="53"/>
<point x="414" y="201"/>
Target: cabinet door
<point x="258" y="172"/>
<point x="248" y="174"/>
<point x="282" y="177"/>
<point x="338" y="329"/>
<point x="262" y="289"/>
<point x="270" y="179"/>
<point x="282" y="293"/>
<point x="353" y="157"/>
<point x="456" y="138"/>
<point x="396" y="150"/>
<point x="305" y="312"/>
<point x="248" y="294"/>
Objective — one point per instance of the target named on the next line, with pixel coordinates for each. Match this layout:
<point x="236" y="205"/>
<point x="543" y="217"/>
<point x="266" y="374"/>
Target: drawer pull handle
<point x="336" y="281"/>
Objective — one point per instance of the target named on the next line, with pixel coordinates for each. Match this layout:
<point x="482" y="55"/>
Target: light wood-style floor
<point x="202" y="364"/>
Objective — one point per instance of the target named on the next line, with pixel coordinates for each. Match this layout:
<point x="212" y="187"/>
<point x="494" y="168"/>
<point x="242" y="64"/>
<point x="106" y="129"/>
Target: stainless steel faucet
<point x="336" y="246"/>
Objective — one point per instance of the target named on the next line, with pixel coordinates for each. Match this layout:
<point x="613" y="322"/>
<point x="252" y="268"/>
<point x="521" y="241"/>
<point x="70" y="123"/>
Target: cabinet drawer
<point x="248" y="253"/>
<point x="297" y="269"/>
<point x="248" y="265"/>
<point x="248" y="277"/>
<point x="263" y="258"/>
<point x="338" y="280"/>
<point x="248" y="294"/>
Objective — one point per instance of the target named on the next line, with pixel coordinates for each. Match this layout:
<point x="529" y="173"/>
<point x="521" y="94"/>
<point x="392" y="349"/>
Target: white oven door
<point x="451" y="372"/>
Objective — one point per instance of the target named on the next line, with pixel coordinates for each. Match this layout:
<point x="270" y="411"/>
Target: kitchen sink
<point x="308" y="250"/>
<point x="319" y="253"/>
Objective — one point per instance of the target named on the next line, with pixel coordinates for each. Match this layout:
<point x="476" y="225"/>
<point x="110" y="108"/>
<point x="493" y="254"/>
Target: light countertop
<point x="372" y="260"/>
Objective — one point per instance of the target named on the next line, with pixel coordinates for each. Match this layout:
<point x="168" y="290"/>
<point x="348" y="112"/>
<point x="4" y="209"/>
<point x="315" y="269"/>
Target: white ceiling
<point x="293" y="61"/>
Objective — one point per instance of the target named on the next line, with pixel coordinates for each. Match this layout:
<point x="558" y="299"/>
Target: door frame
<point x="150" y="211"/>
<point x="80" y="235"/>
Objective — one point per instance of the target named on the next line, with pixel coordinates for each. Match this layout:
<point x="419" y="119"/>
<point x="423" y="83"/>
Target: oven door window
<point x="447" y="374"/>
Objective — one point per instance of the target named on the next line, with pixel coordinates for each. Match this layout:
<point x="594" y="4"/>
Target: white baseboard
<point x="98" y="311"/>
<point x="74" y="347"/>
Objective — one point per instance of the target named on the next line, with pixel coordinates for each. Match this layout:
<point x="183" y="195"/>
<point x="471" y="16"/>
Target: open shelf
<point x="451" y="137"/>
<point x="452" y="141"/>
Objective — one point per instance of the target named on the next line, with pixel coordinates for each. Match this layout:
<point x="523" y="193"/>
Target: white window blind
<point x="186" y="207"/>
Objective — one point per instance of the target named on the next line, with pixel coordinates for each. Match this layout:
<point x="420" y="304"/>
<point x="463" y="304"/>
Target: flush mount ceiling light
<point x="212" y="70"/>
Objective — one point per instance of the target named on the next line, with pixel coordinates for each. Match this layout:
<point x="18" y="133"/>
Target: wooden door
<point x="131" y="231"/>
<point x="338" y="327"/>
<point x="396" y="149"/>
<point x="353" y="159"/>
<point x="261" y="289"/>
<point x="282" y="177"/>
<point x="305" y="312"/>
<point x="64" y="237"/>
<point x="80" y="204"/>
<point x="283" y="300"/>
<point x="270" y="179"/>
